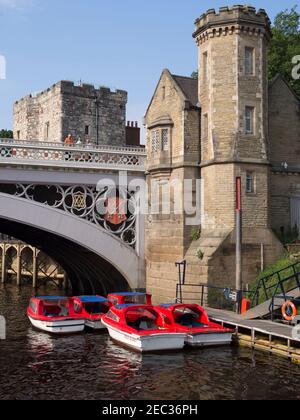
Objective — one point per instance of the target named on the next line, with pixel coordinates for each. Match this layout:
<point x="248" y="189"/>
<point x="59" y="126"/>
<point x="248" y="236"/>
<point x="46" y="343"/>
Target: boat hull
<point x="208" y="340"/>
<point x="59" y="327"/>
<point x="95" y="325"/>
<point x="148" y="343"/>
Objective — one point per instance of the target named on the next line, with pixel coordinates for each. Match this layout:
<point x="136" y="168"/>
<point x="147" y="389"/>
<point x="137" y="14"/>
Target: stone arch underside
<point x="95" y="261"/>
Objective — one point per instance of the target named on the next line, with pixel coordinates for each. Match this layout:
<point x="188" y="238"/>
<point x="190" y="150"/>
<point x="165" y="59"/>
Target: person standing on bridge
<point x="69" y="141"/>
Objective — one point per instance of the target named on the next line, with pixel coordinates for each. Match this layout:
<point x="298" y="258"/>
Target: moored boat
<point x="55" y="315"/>
<point x="142" y="328"/>
<point x="92" y="309"/>
<point x="193" y="320"/>
<point x="130" y="298"/>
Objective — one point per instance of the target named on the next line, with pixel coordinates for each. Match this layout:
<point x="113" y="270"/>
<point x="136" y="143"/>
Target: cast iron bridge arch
<point x="95" y="233"/>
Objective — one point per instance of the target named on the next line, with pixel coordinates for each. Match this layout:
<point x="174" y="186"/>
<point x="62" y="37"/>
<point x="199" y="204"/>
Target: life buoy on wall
<point x="289" y="311"/>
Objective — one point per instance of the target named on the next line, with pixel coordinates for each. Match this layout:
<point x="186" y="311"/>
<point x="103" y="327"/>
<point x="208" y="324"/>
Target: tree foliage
<point x="6" y="134"/>
<point x="285" y="45"/>
<point x="194" y="75"/>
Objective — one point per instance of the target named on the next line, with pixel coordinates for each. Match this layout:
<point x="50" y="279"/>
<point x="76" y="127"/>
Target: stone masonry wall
<point x="83" y="106"/>
<point x="32" y="113"/>
<point x="168" y="236"/>
<point x="284" y="122"/>
<point x="65" y="108"/>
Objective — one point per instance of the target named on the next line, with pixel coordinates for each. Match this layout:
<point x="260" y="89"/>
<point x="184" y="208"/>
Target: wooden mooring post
<point x="3" y="266"/>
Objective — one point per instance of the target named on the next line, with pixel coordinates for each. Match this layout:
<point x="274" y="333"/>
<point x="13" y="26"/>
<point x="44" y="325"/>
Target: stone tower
<point x="93" y="115"/>
<point x="233" y="92"/>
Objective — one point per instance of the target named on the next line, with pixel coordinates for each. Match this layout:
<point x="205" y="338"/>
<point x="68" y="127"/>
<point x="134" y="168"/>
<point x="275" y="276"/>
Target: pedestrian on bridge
<point x="69" y="140"/>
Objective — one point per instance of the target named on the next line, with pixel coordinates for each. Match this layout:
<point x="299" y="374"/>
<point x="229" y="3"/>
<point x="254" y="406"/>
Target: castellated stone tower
<point x="90" y="114"/>
<point x="233" y="93"/>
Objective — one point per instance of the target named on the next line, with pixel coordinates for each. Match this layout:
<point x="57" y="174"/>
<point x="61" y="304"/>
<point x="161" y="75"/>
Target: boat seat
<point x="144" y="324"/>
<point x="189" y="320"/>
<point x="51" y="311"/>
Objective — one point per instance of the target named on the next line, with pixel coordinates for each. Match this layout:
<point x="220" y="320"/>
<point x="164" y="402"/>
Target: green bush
<point x="195" y="234"/>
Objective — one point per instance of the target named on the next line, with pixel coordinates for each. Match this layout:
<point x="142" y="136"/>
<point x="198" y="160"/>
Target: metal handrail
<point x="263" y="286"/>
<point x="284" y="293"/>
<point x="203" y="289"/>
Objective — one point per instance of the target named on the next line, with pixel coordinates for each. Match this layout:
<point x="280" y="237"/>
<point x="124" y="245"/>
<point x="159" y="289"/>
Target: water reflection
<point x="35" y="365"/>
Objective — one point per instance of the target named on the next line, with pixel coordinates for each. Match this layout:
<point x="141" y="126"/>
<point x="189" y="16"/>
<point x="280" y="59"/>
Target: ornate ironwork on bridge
<point x="113" y="209"/>
<point x="16" y="152"/>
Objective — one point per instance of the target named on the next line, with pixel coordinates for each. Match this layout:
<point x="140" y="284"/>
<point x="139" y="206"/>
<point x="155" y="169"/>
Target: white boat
<point x="62" y="326"/>
<point x="92" y="309"/>
<point x="55" y="315"/>
<point x="194" y="321"/>
<point x="141" y="328"/>
<point x="208" y="340"/>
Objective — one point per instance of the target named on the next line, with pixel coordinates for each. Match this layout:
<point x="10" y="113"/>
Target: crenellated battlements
<point x="233" y="18"/>
<point x="78" y="89"/>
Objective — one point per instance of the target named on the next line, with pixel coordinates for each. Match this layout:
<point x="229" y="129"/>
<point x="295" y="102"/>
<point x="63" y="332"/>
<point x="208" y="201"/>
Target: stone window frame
<point x="252" y="130"/>
<point x="165" y="143"/>
<point x="249" y="69"/>
<point x="157" y="141"/>
<point x="205" y="67"/>
<point x="47" y="130"/>
<point x="87" y="130"/>
<point x="205" y="125"/>
<point x="250" y="182"/>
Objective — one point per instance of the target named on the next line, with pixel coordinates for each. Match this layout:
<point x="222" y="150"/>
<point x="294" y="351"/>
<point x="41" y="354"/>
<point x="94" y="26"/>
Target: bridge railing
<point x="78" y="155"/>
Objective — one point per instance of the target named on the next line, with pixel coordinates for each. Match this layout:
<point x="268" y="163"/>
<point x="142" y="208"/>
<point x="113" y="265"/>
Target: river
<point x="34" y="365"/>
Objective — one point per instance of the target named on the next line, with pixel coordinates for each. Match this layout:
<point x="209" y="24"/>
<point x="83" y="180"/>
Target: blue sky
<point x="118" y="43"/>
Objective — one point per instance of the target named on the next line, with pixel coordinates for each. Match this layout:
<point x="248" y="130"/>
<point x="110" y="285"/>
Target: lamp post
<point x="239" y="240"/>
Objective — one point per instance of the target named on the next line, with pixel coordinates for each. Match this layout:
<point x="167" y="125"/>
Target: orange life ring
<point x="286" y="308"/>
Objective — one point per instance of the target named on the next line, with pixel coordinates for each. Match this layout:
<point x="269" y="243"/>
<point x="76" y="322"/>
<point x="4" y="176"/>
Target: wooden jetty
<point x="272" y="337"/>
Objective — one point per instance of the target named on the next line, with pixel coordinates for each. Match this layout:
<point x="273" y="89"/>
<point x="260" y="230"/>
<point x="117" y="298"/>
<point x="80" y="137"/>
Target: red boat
<point x="143" y="328"/>
<point x="55" y="314"/>
<point x="92" y="309"/>
<point x="130" y="298"/>
<point x="194" y="322"/>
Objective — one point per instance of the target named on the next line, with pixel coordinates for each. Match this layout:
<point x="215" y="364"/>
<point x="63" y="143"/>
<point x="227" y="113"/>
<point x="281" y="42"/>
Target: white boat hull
<point x="154" y="342"/>
<point x="94" y="325"/>
<point x="59" y="327"/>
<point x="208" y="340"/>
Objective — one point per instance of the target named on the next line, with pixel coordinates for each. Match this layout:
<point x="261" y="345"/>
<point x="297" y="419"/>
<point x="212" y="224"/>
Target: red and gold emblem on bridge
<point x="115" y="211"/>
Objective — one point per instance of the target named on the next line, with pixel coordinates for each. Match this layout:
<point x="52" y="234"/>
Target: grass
<point x="284" y="266"/>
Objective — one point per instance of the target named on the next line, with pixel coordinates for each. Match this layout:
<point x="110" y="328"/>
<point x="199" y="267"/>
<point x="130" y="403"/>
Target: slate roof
<point x="189" y="87"/>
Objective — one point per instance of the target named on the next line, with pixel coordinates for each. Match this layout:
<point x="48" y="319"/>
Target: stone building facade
<point x="173" y="132"/>
<point x="91" y="115"/>
<point x="231" y="123"/>
<point x="284" y="125"/>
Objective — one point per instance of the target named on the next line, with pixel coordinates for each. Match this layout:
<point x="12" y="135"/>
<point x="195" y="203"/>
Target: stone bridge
<point x="79" y="205"/>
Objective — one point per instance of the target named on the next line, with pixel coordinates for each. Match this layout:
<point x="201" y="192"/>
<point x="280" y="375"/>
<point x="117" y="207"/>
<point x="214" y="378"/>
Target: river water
<point x="34" y="365"/>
